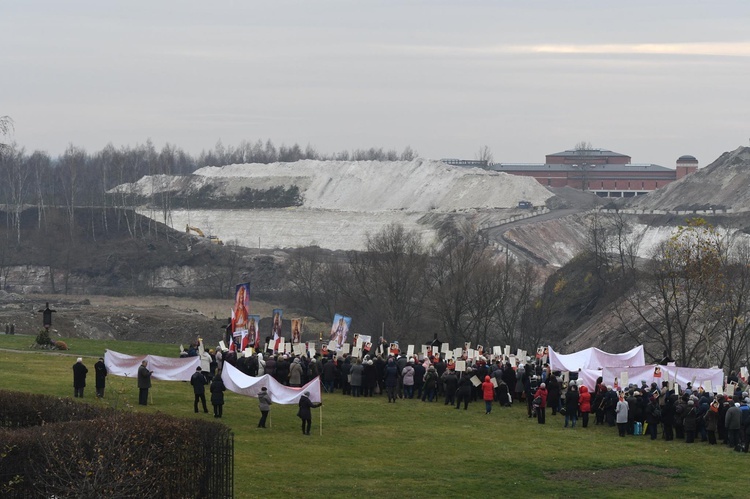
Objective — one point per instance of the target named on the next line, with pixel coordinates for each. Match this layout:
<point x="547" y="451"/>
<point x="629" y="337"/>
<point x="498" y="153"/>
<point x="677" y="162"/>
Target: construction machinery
<point x="196" y="230"/>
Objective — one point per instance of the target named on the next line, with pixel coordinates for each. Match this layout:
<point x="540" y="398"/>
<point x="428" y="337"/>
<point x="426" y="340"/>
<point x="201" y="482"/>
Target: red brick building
<point x="606" y="173"/>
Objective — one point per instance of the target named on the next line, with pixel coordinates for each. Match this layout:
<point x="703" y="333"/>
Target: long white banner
<point x="164" y="368"/>
<point x="238" y="382"/>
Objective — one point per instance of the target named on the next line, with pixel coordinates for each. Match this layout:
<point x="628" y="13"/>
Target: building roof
<point x="687" y="159"/>
<point x="536" y="167"/>
<point x="595" y="153"/>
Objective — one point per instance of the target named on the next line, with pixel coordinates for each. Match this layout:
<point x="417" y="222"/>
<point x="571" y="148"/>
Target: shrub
<point x="43" y="339"/>
<point x="117" y="454"/>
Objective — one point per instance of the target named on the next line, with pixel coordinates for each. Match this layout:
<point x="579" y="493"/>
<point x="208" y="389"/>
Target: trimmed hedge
<point x="75" y="450"/>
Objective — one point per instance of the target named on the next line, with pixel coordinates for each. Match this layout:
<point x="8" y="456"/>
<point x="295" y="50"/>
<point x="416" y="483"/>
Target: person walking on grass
<point x="199" y="389"/>
<point x="488" y="394"/>
<point x="304" y="413"/>
<point x="264" y="404"/>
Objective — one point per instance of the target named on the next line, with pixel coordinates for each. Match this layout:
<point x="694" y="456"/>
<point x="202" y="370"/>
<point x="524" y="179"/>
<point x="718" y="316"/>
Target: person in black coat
<point x="329" y="375"/>
<point x="304" y="413"/>
<point x="464" y="390"/>
<point x="217" y="395"/>
<point x="79" y="378"/>
<point x="282" y="370"/>
<point x="553" y="394"/>
<point x="199" y="389"/>
<point x="450" y="383"/>
<point x="100" y="370"/>
<point x="370" y="380"/>
<point x="571" y="405"/>
<point x="391" y="379"/>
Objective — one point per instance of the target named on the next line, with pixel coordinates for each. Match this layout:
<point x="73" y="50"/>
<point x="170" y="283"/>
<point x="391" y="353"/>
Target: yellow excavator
<point x="213" y="239"/>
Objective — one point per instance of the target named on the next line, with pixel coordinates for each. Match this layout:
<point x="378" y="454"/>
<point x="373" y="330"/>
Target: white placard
<point x="520" y="354"/>
<point x="281" y="345"/>
<point x="299" y="349"/>
<point x="494" y="382"/>
<point x="311" y="352"/>
<point x="345" y="347"/>
<point x="222" y="345"/>
<point x="356" y="352"/>
<point x="448" y="355"/>
<point x="475" y="381"/>
<point x="410" y="351"/>
<point x="424" y="349"/>
<point x="707" y="386"/>
<point x="506" y="352"/>
<point x="624" y="381"/>
<point x="497" y="351"/>
<point x="470" y="353"/>
<point x="458" y="353"/>
<point x="445" y="347"/>
<point x="248" y="352"/>
<point x="332" y="346"/>
<point x="460" y="365"/>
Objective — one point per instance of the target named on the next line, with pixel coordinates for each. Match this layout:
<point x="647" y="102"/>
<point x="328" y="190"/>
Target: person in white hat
<point x="79" y="378"/>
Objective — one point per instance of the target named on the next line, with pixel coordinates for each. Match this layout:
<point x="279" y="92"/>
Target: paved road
<point x="497" y="233"/>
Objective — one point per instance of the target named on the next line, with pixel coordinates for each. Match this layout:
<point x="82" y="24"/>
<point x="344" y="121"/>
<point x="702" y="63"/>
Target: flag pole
<point x="321" y="419"/>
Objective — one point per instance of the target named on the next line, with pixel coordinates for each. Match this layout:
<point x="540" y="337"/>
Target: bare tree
<point x="584" y="165"/>
<point x="485" y="155"/>
<point x="386" y="282"/>
<point x="675" y="301"/>
<point x="6" y="127"/>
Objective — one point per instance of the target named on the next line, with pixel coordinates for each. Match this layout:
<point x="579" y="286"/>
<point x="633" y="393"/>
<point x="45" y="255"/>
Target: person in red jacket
<point x="488" y="394"/>
<point x="541" y="393"/>
<point x="584" y="404"/>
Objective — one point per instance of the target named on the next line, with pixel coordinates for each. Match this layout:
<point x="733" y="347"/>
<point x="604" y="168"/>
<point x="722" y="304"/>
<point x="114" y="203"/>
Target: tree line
<point x="77" y="178"/>
<point x="459" y="291"/>
<point x="688" y="301"/>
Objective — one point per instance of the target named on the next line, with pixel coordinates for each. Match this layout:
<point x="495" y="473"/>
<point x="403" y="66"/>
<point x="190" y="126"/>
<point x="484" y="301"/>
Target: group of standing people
<point x="80" y="372"/>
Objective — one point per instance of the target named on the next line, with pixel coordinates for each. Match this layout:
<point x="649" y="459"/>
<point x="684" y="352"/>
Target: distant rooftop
<point x="630" y="167"/>
<point x="589" y="152"/>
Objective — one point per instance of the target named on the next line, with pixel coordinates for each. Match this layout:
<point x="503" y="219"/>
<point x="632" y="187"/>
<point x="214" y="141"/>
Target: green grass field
<point x="409" y="449"/>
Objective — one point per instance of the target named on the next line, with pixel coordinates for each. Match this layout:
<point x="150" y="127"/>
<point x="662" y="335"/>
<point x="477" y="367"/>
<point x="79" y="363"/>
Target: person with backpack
<point x="653" y="416"/>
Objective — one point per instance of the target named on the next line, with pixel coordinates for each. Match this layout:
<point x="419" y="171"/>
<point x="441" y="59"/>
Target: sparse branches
<point x="484" y="154"/>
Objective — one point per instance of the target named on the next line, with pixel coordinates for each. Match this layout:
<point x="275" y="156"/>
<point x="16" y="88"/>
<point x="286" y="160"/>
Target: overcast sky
<point x="653" y="80"/>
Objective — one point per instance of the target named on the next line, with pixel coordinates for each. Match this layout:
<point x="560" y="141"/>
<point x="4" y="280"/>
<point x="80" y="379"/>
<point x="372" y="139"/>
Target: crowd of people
<point x="651" y="410"/>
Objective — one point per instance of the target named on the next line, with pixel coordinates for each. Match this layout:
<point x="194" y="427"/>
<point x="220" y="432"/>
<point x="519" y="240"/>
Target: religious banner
<point x="339" y="330"/>
<point x="296" y="330"/>
<point x="278" y="321"/>
<point x="241" y="310"/>
<point x="253" y="333"/>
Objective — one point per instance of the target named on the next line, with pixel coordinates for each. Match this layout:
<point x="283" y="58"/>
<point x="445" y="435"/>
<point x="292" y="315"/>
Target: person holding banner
<point x="144" y="383"/>
<point x="304" y="413"/>
<point x="264" y="404"/>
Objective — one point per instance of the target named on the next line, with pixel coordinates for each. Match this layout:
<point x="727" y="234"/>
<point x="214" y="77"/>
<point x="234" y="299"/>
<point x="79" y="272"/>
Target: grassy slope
<point x="407" y="449"/>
